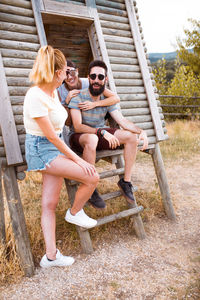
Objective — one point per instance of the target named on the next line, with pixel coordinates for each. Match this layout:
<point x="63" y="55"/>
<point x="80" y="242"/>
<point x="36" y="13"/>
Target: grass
<point x="184" y="141"/>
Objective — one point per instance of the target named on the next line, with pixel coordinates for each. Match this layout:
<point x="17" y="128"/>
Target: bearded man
<point x="89" y="132"/>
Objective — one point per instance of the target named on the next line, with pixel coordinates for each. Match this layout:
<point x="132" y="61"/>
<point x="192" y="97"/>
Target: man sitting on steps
<point x="89" y="132"/>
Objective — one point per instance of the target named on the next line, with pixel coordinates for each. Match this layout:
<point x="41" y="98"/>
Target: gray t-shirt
<point x="63" y="91"/>
<point x="93" y="117"/>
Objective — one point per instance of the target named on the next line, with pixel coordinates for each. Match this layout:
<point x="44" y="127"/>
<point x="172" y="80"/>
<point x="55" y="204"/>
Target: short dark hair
<point x="97" y="63"/>
<point x="71" y="64"/>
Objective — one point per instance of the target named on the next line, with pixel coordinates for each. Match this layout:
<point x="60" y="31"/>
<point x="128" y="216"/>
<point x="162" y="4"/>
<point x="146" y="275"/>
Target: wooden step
<point x="117" y="216"/>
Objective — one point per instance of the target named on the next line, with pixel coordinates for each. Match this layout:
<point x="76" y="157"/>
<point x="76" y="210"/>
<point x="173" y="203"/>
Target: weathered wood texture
<point x="125" y="59"/>
<point x="137" y="220"/>
<point x="120" y="215"/>
<point x="144" y="69"/>
<point x="114" y="30"/>
<point x="101" y="42"/>
<point x="162" y="181"/>
<point x="73" y="41"/>
<point x="19" y="43"/>
<point x="133" y="210"/>
<point x="18" y="221"/>
<point x="7" y="123"/>
<point x="2" y="215"/>
<point x="86" y="242"/>
<point x="39" y="23"/>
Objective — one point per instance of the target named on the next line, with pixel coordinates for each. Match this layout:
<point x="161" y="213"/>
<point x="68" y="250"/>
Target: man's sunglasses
<point x="100" y="76"/>
<point x="72" y="73"/>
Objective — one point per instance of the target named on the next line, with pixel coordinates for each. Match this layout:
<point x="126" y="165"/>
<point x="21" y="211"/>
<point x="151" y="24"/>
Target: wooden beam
<point x="85" y="239"/>
<point x="93" y="13"/>
<point x="92" y="38"/>
<point x="144" y="69"/>
<point x="137" y="220"/>
<point x="7" y="122"/>
<point x="18" y="221"/>
<point x="39" y="22"/>
<point x="2" y="216"/>
<point x="162" y="182"/>
<point x="67" y="10"/>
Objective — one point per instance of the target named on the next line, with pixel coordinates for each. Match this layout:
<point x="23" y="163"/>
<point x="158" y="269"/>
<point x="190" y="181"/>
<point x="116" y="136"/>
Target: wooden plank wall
<point x="18" y="45"/>
<point x="125" y="65"/>
<point x="79" y="2"/>
<point x="73" y="41"/>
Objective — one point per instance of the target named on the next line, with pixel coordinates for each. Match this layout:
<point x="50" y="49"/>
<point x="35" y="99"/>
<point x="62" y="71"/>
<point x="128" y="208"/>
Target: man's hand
<point x="143" y="137"/>
<point x="71" y="94"/>
<point x="87" y="105"/>
<point x="112" y="140"/>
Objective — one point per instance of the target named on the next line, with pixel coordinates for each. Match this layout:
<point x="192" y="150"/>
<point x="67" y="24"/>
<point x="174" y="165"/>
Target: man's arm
<point x="128" y="125"/>
<point x="124" y="123"/>
<point x="110" y="99"/>
<point x="77" y="122"/>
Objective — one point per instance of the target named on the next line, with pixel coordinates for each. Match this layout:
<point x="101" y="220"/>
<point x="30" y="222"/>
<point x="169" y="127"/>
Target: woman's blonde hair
<point x="47" y="62"/>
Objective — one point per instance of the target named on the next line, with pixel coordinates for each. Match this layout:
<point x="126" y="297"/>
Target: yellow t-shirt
<point x="38" y="104"/>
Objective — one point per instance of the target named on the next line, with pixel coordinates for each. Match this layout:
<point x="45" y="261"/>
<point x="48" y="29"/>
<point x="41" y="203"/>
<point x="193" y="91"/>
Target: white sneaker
<point x="60" y="261"/>
<point x="80" y="219"/>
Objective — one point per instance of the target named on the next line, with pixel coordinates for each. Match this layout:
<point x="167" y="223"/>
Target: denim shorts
<point x="39" y="152"/>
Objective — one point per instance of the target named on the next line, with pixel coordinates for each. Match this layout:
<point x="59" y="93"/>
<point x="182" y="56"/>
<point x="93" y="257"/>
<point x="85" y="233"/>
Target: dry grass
<point x="184" y="140"/>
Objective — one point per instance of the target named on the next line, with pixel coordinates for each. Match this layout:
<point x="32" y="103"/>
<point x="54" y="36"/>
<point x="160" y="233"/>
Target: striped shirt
<point x="93" y="117"/>
<point x="63" y="91"/>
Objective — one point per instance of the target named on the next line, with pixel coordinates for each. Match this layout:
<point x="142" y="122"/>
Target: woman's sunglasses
<point x="100" y="76"/>
<point x="72" y="73"/>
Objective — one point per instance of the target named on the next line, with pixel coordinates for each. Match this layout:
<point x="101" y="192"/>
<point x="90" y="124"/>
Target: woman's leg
<point x="66" y="168"/>
<point x="50" y="197"/>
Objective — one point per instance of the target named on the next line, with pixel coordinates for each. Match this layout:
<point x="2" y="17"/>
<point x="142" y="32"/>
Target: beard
<point x="95" y="92"/>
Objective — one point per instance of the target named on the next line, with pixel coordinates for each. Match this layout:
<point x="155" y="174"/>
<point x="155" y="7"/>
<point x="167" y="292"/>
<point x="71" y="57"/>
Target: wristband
<point x="99" y="131"/>
<point x="103" y="132"/>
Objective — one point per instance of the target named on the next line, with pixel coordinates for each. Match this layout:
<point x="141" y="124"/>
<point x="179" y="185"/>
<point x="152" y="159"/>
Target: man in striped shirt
<point x="89" y="132"/>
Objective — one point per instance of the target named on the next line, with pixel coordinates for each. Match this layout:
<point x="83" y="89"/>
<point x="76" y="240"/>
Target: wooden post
<point x="86" y="242"/>
<point x="7" y="122"/>
<point x="162" y="181"/>
<point x="18" y="221"/>
<point x="2" y="217"/>
<point x="137" y="220"/>
<point x="38" y="21"/>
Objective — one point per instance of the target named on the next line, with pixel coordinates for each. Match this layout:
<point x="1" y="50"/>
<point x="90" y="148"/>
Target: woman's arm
<point x="111" y="98"/>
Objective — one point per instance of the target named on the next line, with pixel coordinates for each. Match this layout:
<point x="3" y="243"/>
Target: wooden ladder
<point x="134" y="210"/>
<point x="100" y="52"/>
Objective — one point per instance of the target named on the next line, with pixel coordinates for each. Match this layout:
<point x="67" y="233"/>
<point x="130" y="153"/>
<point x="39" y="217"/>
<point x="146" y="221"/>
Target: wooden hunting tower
<point x="83" y="30"/>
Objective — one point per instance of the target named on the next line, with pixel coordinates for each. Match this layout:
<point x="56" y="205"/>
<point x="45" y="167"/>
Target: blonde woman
<point x="44" y="118"/>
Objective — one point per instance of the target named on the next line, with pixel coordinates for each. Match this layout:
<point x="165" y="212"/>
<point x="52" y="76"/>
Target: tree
<point x="185" y="83"/>
<point x="189" y="47"/>
<point x="160" y="76"/>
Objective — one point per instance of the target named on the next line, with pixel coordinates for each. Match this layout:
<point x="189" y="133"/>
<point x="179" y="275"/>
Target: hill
<point x="154" y="57"/>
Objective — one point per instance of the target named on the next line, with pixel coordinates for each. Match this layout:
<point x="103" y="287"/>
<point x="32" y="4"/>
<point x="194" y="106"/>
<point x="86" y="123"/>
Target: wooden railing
<point x="191" y="110"/>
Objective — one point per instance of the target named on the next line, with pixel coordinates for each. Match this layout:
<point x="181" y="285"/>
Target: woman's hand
<point x="87" y="105"/>
<point x="112" y="140"/>
<point x="143" y="136"/>
<point x="87" y="167"/>
<point x="71" y="94"/>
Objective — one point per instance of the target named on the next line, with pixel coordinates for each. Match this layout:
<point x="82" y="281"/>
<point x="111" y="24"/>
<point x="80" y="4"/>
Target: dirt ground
<point x="166" y="265"/>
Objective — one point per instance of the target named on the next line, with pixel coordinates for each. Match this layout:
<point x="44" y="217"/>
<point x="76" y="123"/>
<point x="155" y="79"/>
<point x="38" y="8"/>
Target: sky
<point x="163" y="21"/>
